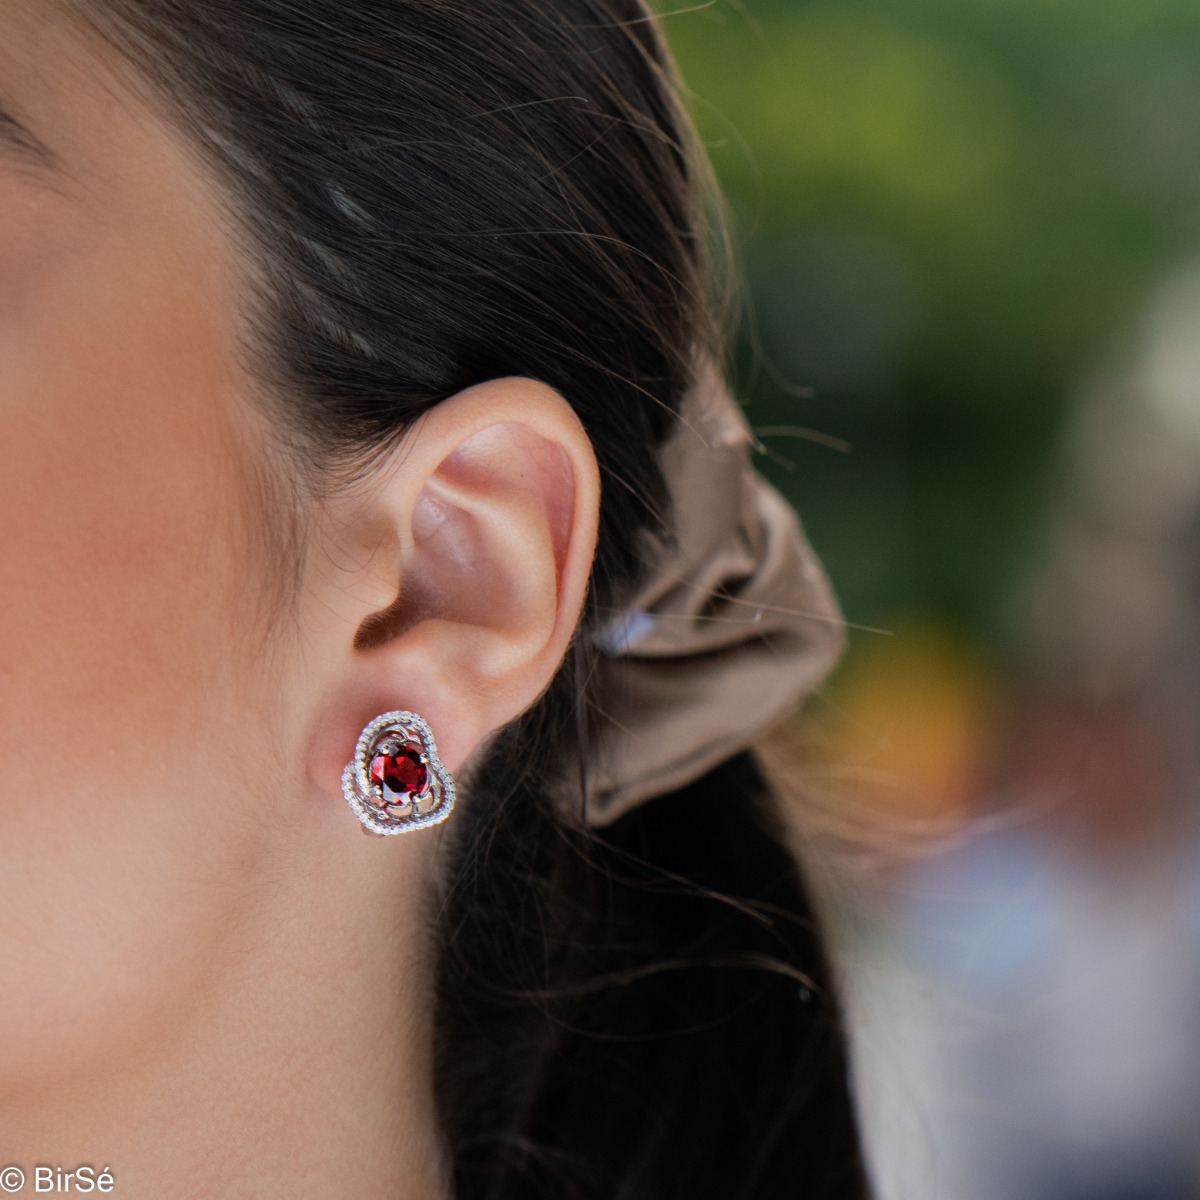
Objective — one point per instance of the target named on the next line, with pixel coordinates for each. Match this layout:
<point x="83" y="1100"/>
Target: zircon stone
<point x="401" y="773"/>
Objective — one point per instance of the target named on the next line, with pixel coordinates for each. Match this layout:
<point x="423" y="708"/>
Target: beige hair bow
<point x="736" y="624"/>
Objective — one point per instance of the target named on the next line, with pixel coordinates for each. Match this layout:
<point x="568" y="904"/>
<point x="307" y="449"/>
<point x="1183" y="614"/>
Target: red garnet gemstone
<point x="399" y="773"/>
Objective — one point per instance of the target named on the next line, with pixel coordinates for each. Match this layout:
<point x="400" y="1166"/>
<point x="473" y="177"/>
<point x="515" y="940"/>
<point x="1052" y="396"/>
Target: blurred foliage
<point x="946" y="209"/>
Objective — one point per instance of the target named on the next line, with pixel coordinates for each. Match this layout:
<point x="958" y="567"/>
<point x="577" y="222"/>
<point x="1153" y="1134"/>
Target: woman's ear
<point x="450" y="583"/>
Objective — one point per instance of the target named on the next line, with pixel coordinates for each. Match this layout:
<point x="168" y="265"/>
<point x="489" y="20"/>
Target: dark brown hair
<point x="432" y="193"/>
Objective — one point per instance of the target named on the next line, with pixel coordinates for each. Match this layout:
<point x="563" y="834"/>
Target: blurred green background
<point x="970" y="233"/>
<point x="946" y="210"/>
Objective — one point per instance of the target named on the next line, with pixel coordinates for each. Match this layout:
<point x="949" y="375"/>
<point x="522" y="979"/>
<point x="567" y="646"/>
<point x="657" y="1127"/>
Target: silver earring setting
<point x="395" y="782"/>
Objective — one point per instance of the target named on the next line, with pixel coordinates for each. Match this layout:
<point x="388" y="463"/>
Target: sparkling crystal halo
<point x="366" y="798"/>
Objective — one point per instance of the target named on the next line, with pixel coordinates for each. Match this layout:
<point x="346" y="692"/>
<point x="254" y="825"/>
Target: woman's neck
<point x="301" y="1066"/>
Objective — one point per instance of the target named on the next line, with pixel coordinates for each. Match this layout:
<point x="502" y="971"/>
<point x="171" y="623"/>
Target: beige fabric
<point x="735" y="625"/>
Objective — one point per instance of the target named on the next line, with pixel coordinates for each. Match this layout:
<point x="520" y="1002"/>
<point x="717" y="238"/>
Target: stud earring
<point x="395" y="781"/>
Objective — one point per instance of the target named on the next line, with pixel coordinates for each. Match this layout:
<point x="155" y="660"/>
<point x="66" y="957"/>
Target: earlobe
<point x="488" y="513"/>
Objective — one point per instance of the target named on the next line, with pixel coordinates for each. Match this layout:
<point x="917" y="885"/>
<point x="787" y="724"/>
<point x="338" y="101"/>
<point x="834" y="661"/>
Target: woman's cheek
<point x="119" y="752"/>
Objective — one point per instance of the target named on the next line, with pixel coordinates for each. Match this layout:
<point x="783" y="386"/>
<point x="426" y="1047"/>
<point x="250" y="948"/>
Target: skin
<point x="210" y="981"/>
